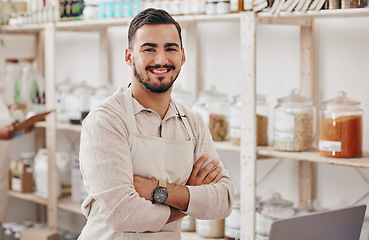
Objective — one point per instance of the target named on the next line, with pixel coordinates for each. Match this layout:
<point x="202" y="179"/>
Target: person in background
<point x="147" y="160"/>
<point x="7" y="132"/>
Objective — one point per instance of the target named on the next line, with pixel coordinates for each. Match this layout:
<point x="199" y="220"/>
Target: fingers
<point x="208" y="168"/>
<point x="214" y="176"/>
<point x="199" y="164"/>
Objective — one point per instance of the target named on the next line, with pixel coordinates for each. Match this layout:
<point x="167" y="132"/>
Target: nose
<point x="161" y="58"/>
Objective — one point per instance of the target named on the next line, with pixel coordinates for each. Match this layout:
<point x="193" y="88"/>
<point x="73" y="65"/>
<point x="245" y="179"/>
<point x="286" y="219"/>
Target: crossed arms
<point x="179" y="196"/>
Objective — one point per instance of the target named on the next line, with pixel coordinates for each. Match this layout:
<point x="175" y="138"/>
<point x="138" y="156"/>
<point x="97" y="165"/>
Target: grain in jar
<point x="214" y="107"/>
<point x="340" y="128"/>
<point x="261" y="121"/>
<point x="294" y="123"/>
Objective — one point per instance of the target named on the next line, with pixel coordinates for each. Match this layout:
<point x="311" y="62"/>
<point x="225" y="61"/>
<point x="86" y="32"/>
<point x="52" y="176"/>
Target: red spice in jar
<point x="346" y="131"/>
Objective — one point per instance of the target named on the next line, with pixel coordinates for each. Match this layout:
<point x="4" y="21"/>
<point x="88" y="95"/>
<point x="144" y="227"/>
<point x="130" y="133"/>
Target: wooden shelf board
<point x="195" y="236"/>
<point x="62" y="126"/>
<point x="226" y="146"/>
<point x="67" y="204"/>
<point x="69" y="127"/>
<point x="23" y="29"/>
<point x="31" y="197"/>
<point x="294" y="18"/>
<point x="313" y="156"/>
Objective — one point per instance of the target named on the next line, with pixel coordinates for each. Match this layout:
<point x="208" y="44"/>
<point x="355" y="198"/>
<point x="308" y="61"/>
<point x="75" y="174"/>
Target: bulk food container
<point x="214" y="107"/>
<point x="272" y="209"/>
<point x="341" y="128"/>
<point x="261" y="121"/>
<point x="294" y="123"/>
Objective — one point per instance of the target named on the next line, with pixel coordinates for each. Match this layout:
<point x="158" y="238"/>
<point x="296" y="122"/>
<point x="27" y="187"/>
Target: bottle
<point x="294" y="118"/>
<point x="236" y="6"/>
<point x="12" y="75"/>
<point x="341" y="128"/>
<point x="27" y="158"/>
<point x="27" y="78"/>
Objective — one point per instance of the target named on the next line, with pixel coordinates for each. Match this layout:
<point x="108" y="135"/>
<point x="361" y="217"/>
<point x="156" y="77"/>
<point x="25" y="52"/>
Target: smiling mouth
<point x="160" y="69"/>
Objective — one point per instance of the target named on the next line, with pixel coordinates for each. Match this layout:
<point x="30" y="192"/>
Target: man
<point x="146" y="160"/>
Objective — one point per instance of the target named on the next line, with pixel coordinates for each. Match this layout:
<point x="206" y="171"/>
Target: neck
<point x="159" y="102"/>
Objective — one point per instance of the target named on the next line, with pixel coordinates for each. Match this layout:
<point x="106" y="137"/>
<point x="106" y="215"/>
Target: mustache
<point x="160" y="66"/>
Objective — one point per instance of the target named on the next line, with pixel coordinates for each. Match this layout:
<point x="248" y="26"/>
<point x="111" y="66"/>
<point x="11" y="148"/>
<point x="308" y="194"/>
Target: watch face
<point x="160" y="195"/>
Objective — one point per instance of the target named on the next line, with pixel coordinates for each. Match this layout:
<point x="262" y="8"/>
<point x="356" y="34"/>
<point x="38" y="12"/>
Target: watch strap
<point x="162" y="184"/>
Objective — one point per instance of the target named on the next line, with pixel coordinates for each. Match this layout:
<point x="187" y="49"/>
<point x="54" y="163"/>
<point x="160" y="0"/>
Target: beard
<point x="152" y="87"/>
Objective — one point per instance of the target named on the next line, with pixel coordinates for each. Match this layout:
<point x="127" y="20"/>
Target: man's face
<point x="156" y="56"/>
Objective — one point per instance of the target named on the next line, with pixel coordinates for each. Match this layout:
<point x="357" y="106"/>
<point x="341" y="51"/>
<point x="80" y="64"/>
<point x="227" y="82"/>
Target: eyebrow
<point x="156" y="45"/>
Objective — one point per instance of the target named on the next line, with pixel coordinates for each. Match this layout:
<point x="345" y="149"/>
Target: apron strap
<point x="128" y="102"/>
<point x="184" y="121"/>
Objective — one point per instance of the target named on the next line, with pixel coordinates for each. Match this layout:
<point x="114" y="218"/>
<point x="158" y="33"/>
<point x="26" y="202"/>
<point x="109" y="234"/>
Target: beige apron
<point x="5" y="119"/>
<point x="152" y="157"/>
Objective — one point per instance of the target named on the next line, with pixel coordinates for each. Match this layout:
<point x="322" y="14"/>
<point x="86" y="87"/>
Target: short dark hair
<point x="151" y="16"/>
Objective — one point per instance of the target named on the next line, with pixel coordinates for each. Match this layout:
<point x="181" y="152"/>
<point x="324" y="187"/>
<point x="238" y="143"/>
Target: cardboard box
<point x="39" y="234"/>
<point x="20" y="179"/>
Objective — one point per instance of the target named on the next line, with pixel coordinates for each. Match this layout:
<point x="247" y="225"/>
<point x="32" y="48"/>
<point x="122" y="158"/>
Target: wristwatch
<point x="160" y="194"/>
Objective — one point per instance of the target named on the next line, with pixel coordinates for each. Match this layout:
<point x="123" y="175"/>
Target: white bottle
<point x="41" y="174"/>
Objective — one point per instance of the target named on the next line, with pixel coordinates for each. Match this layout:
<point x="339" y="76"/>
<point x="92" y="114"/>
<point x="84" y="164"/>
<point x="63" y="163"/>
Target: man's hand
<point x="144" y="186"/>
<point x="210" y="173"/>
<point x="7" y="132"/>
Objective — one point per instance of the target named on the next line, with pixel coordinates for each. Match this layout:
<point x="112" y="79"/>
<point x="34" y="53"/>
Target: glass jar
<point x="261" y="121"/>
<point x="63" y="91"/>
<point x="232" y="222"/>
<point x="294" y="123"/>
<point x="79" y="102"/>
<point x="182" y="95"/>
<point x="341" y="128"/>
<point x="188" y="224"/>
<point x="214" y="107"/>
<point x="269" y="210"/>
<point x="210" y="228"/>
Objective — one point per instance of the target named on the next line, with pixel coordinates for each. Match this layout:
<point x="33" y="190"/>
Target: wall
<point x="341" y="64"/>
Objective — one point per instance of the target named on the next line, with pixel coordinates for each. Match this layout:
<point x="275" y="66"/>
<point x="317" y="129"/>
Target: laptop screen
<point x="340" y="224"/>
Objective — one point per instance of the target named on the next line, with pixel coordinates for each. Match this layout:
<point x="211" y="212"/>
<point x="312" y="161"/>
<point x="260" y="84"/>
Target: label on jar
<point x="16" y="184"/>
<point x="330" y="146"/>
<point x="284" y="126"/>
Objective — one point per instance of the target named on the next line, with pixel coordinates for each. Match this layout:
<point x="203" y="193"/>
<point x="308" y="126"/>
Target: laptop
<point x="340" y="224"/>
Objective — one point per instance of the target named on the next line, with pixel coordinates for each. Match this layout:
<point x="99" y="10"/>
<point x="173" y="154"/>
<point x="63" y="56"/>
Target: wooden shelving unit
<point x="249" y="153"/>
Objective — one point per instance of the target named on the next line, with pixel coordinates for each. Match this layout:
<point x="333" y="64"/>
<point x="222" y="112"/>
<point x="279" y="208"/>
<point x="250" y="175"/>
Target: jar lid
<point x="341" y="102"/>
<point x="260" y="99"/>
<point x="212" y="95"/>
<point x="27" y="59"/>
<point x="26" y="155"/>
<point x="11" y="60"/>
<point x="295" y="99"/>
<point x="276" y="201"/>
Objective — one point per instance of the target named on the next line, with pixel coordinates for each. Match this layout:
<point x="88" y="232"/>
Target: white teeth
<point x="156" y="71"/>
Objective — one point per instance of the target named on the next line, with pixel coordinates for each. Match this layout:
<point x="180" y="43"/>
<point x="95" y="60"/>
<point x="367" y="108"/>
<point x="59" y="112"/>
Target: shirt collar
<point x="172" y="111"/>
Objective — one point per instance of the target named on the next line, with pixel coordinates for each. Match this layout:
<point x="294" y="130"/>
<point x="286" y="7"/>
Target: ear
<point x="128" y="56"/>
<point x="183" y="57"/>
